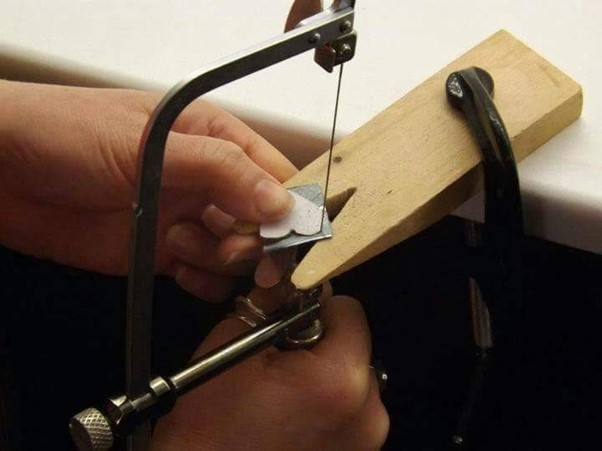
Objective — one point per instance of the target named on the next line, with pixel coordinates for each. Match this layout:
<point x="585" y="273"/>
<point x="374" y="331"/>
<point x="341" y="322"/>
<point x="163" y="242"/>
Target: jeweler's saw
<point x="330" y="33"/>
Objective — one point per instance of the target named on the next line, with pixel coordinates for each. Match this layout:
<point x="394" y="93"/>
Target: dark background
<point x="61" y="340"/>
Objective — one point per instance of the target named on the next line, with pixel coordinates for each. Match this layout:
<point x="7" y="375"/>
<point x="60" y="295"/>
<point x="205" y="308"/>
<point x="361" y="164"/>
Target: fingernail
<point x="216" y="220"/>
<point x="272" y="200"/>
<point x="268" y="272"/>
<point x="191" y="281"/>
<point x="179" y="238"/>
<point x="239" y="256"/>
<point x="233" y="258"/>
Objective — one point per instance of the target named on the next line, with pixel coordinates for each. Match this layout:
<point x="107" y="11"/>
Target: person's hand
<point x="68" y="160"/>
<point x="326" y="398"/>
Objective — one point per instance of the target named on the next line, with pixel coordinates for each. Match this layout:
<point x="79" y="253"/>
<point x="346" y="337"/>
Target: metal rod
<point x="96" y="429"/>
<point x="226" y="356"/>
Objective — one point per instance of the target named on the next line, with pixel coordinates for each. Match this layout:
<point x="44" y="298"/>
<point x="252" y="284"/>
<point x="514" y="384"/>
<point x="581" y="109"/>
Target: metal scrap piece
<point x="304" y="219"/>
<point x="313" y="193"/>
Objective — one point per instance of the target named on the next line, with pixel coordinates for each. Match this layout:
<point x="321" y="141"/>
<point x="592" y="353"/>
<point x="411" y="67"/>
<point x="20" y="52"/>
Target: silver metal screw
<point x="345" y="50"/>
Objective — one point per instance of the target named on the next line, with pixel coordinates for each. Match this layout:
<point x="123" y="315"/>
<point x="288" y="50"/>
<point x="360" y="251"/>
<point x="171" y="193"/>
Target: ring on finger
<point x="247" y="312"/>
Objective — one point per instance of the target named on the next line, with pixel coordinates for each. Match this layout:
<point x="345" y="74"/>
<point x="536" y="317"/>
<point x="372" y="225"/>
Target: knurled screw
<point x="345" y="50"/>
<point x="90" y="430"/>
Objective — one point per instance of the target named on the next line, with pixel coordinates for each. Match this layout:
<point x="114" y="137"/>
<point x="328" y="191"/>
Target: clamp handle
<point x="496" y="268"/>
<point x="498" y="272"/>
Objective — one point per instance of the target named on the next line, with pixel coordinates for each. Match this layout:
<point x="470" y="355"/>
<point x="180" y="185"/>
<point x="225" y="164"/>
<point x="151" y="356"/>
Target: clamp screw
<point x="345" y="50"/>
<point x="315" y="38"/>
<point x="345" y="27"/>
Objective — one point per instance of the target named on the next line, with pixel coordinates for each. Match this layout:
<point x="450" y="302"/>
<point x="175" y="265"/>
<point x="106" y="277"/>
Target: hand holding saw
<point x="330" y="33"/>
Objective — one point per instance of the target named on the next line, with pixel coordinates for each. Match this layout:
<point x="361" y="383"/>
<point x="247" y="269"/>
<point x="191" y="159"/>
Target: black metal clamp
<point x="495" y="268"/>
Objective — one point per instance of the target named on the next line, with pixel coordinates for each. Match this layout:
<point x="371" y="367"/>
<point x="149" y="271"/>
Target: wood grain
<point x="416" y="161"/>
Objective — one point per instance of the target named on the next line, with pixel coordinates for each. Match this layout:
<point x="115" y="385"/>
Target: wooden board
<point x="416" y="161"/>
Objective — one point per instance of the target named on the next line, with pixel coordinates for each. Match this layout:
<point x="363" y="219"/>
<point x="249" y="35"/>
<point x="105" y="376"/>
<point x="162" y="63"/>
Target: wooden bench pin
<point x="416" y="161"/>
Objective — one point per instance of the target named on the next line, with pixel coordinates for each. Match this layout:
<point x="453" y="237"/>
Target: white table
<point x="152" y="44"/>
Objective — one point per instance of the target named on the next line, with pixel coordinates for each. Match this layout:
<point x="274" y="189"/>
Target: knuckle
<point x="343" y="393"/>
<point x="227" y="162"/>
<point x="218" y="125"/>
<point x="379" y="429"/>
<point x="230" y="155"/>
<point x="369" y="431"/>
<point x="225" y="155"/>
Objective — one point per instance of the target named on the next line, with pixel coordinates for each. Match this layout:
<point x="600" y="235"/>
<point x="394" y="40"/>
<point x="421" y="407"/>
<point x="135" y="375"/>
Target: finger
<point x="339" y="369"/>
<point x="235" y="248"/>
<point x="342" y="356"/>
<point x="204" y="118"/>
<point x="257" y="148"/>
<point x="196" y="246"/>
<point x="181" y="206"/>
<point x="193" y="244"/>
<point x="370" y="427"/>
<point x="268" y="272"/>
<point x="272" y="267"/>
<point x="266" y="300"/>
<point x="203" y="284"/>
<point x="327" y="291"/>
<point x="346" y="339"/>
<point x="222" y="172"/>
<point x="218" y="222"/>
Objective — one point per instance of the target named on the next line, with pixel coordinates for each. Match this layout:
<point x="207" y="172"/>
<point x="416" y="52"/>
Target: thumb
<point x="225" y="175"/>
<point x="267" y="300"/>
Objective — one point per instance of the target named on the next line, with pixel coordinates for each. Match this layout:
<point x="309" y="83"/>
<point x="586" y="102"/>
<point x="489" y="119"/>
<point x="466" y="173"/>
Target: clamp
<point x="495" y="262"/>
<point x="330" y="33"/>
